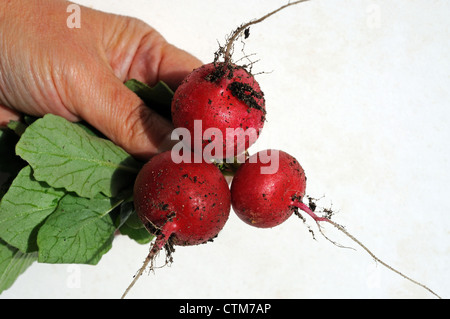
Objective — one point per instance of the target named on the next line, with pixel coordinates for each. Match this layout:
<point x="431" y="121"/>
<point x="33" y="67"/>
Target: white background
<point x="358" y="91"/>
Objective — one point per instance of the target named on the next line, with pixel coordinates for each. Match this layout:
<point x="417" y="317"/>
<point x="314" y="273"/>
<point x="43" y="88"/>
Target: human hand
<point x="78" y="73"/>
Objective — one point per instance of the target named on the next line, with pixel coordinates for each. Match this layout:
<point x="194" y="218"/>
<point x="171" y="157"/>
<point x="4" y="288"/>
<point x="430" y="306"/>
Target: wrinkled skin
<point x="78" y="73"/>
<point x="189" y="201"/>
<point x="265" y="200"/>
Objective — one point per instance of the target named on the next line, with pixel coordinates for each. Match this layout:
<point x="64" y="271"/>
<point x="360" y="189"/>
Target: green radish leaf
<point x="17" y="126"/>
<point x="81" y="231"/>
<point x="126" y="210"/>
<point x="65" y="155"/>
<point x="12" y="264"/>
<point x="140" y="235"/>
<point x="23" y="208"/>
<point x="89" y="129"/>
<point x="129" y="224"/>
<point x="158" y="98"/>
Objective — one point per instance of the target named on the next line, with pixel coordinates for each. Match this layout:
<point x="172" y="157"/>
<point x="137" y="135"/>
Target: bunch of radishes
<point x="182" y="196"/>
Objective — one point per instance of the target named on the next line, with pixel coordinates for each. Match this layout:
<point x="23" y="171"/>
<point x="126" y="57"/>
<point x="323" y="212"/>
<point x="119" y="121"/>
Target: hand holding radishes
<point x="78" y="73"/>
<point x="73" y="187"/>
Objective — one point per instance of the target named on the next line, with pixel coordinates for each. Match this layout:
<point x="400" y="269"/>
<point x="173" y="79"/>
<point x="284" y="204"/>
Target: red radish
<point x="267" y="200"/>
<point x="267" y="203"/>
<point x="229" y="103"/>
<point x="181" y="204"/>
<point x="225" y="99"/>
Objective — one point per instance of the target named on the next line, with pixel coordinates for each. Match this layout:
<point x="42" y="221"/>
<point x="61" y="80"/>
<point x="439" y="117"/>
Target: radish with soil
<point x="225" y="99"/>
<point x="268" y="198"/>
<point x="227" y="102"/>
<point x="181" y="204"/>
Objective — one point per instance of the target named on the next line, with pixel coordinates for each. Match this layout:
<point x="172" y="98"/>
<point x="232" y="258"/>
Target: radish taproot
<point x="181" y="204"/>
<point x="266" y="198"/>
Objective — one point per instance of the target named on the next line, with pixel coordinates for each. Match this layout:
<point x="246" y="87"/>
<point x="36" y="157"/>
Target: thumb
<point x="121" y="115"/>
<point x="6" y="115"/>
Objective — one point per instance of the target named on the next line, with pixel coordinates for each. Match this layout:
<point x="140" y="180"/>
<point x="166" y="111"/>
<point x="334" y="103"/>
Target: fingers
<point x="103" y="100"/>
<point x="85" y="81"/>
<point x="136" y="50"/>
<point x="157" y="60"/>
<point x="121" y="115"/>
<point x="107" y="104"/>
<point x="175" y="65"/>
<point x="142" y="132"/>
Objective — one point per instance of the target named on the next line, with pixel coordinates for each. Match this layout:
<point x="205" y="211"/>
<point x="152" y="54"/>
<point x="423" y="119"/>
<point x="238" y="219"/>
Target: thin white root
<point x="227" y="50"/>
<point x="343" y="230"/>
<point x="318" y="219"/>
<point x="139" y="273"/>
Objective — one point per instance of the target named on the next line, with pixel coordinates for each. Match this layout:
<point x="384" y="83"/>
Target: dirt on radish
<point x="227" y="102"/>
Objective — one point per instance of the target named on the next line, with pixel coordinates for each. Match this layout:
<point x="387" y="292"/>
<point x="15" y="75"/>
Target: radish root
<point x="319" y="219"/>
<point x="162" y="240"/>
<point x="244" y="29"/>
